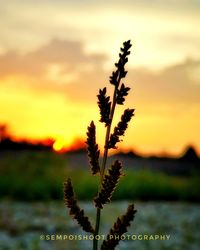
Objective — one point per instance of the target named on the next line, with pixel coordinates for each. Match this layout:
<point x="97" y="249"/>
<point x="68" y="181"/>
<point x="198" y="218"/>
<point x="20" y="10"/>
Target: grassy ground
<point x="39" y="176"/>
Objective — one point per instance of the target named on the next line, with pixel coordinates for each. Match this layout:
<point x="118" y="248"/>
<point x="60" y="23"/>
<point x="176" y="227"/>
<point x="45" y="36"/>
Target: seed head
<point x="74" y="209"/>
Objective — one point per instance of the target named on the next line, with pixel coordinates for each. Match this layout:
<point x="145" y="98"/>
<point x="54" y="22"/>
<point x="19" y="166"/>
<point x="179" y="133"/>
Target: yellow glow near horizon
<point x="36" y="115"/>
<point x="59" y="145"/>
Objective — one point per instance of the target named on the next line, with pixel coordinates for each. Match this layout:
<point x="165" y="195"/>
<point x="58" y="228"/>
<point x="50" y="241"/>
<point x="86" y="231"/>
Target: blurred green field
<point x="33" y="176"/>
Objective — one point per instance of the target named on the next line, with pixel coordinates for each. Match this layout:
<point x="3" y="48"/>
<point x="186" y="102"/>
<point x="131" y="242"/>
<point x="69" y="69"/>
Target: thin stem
<point x="98" y="214"/>
<point x="95" y="241"/>
<point x="105" y="156"/>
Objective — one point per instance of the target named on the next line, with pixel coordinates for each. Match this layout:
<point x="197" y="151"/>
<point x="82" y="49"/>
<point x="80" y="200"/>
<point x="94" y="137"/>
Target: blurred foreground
<point x="22" y="225"/>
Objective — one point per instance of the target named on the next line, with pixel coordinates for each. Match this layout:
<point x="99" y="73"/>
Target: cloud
<point x="52" y="67"/>
<point x="172" y="32"/>
<point x="67" y="53"/>
<point x="63" y="66"/>
<point x="176" y="84"/>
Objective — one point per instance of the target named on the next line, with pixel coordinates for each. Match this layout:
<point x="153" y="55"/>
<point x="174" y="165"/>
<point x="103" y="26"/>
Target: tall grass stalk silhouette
<point x="109" y="177"/>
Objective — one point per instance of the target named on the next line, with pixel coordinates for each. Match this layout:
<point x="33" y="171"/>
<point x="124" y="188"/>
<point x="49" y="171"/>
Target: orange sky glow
<point x="53" y="62"/>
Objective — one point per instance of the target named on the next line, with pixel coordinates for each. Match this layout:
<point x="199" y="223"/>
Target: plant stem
<point x="95" y="241"/>
<point x="105" y="156"/>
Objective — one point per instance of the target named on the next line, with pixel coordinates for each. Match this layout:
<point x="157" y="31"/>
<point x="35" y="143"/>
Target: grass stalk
<point x="104" y="161"/>
<point x="108" y="179"/>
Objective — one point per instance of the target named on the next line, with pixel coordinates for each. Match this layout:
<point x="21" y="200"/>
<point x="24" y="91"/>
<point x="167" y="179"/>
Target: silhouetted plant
<point x="108" y="177"/>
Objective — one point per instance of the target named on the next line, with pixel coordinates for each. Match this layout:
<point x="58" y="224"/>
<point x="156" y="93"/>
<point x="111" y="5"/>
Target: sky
<point x="55" y="55"/>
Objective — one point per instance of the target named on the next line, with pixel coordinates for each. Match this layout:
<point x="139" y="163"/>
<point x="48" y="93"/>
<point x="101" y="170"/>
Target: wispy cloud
<point x="64" y="65"/>
<point x="51" y="67"/>
<point x="163" y="32"/>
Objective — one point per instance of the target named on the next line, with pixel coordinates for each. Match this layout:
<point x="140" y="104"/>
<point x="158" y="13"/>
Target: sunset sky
<point x="55" y="55"/>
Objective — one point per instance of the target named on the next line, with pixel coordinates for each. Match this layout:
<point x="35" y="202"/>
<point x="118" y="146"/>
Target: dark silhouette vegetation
<point x="108" y="177"/>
